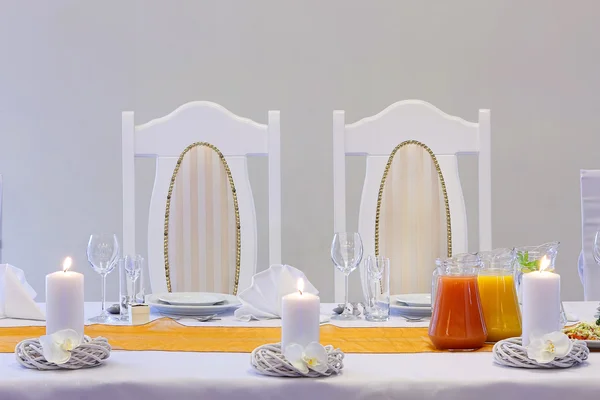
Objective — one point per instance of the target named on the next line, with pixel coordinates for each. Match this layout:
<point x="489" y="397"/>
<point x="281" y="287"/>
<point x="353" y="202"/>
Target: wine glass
<point x="375" y="266"/>
<point x="133" y="268"/>
<point x="346" y="254"/>
<point x="102" y="252"/>
<point x="372" y="272"/>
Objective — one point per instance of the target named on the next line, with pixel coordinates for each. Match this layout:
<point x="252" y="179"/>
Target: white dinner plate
<point x="591" y="344"/>
<point x="417" y="312"/>
<point x="230" y="303"/>
<point x="192" y="298"/>
<point x="414" y="299"/>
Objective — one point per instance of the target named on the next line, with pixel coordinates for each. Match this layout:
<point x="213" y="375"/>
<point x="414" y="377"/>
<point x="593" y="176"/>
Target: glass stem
<point x="103" y="289"/>
<point x="346" y="294"/>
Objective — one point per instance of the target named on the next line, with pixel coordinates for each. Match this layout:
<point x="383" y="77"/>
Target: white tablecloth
<point x="180" y="376"/>
<point x="93" y="309"/>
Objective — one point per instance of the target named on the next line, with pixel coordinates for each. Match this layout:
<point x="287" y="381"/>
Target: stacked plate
<point x="192" y="303"/>
<point x="415" y="305"/>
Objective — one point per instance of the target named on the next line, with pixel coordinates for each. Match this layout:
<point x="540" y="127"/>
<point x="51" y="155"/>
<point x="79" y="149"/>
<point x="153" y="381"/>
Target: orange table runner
<point x="167" y="335"/>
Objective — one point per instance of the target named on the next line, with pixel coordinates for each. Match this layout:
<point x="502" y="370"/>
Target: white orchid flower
<point x="313" y="356"/>
<point x="547" y="348"/>
<point x="58" y="346"/>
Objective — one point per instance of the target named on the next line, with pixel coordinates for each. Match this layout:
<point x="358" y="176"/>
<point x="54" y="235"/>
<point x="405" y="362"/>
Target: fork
<point x="199" y="319"/>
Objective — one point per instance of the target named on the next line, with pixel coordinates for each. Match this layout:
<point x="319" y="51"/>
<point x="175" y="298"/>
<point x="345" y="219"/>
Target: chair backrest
<point x="202" y="199"/>
<point x="419" y="132"/>
<point x="589" y="271"/>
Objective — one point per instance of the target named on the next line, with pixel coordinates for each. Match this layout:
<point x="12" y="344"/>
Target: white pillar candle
<point x="541" y="302"/>
<point x="64" y="300"/>
<point x="300" y="318"/>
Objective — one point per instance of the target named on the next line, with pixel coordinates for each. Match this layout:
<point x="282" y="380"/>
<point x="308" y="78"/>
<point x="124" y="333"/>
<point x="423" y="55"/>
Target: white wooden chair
<point x="417" y="231"/>
<point x="589" y="271"/>
<point x="202" y="234"/>
<point x="1" y="242"/>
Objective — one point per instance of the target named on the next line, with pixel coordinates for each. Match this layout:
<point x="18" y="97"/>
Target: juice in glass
<point x="457" y="321"/>
<point x="500" y="306"/>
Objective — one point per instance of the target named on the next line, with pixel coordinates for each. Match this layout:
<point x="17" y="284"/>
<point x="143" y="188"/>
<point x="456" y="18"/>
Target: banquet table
<point x="177" y="375"/>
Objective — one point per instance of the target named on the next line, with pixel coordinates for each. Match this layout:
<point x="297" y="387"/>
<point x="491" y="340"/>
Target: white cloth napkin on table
<point x="262" y="300"/>
<point x="16" y="295"/>
<point x="589" y="271"/>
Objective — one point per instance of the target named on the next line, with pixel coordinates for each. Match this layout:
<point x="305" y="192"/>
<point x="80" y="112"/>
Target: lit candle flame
<point x="300" y="285"/>
<point x="544" y="263"/>
<point x="67" y="264"/>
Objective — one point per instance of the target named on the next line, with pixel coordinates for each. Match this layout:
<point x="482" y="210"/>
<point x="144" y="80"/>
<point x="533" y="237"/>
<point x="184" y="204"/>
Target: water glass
<point x="130" y="271"/>
<point x="375" y="280"/>
<point x="140" y="294"/>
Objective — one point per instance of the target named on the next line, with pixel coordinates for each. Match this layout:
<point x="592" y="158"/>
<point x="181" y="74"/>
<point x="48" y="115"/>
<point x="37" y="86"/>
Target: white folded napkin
<point x="262" y="300"/>
<point x="16" y="296"/>
<point x="590" y="223"/>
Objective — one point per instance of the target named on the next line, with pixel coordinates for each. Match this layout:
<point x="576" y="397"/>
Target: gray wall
<point x="68" y="68"/>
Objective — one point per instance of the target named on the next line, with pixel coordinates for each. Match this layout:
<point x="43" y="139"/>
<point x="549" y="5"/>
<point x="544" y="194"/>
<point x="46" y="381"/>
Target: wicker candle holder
<point x="268" y="360"/>
<point x="91" y="353"/>
<point x="511" y="353"/>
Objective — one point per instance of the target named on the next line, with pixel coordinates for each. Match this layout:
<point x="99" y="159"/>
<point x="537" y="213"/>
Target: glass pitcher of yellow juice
<point x="498" y="294"/>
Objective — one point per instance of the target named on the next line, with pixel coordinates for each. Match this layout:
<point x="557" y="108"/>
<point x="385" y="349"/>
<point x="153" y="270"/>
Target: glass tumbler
<point x="130" y="270"/>
<point x="375" y="279"/>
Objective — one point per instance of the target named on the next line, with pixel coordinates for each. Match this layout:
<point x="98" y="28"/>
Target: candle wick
<point x="300" y="291"/>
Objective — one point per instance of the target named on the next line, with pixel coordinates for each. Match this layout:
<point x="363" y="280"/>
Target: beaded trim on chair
<point x="235" y="206"/>
<point x="442" y="182"/>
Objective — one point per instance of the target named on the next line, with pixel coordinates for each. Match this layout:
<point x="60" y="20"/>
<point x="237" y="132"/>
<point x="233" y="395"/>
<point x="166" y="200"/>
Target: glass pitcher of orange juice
<point x="498" y="294"/>
<point x="457" y="322"/>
